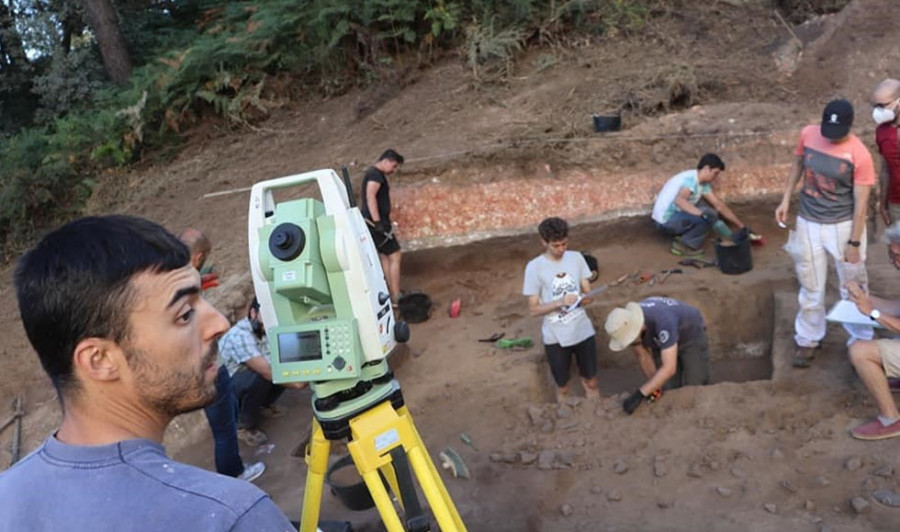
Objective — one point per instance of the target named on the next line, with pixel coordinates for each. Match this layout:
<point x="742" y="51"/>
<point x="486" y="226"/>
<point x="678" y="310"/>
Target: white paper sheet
<point x="845" y="311"/>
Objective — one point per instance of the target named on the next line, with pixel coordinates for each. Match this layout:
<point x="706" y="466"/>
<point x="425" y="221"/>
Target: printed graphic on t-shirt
<point x="563" y="284"/>
<point x="826" y="176"/>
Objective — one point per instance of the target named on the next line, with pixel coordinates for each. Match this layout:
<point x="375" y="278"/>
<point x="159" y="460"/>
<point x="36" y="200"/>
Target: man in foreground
<point x="877" y="362"/>
<point x="554" y="281"/>
<point x="669" y="340"/>
<point x="112" y="307"/>
<point x="837" y="177"/>
<point x="679" y="212"/>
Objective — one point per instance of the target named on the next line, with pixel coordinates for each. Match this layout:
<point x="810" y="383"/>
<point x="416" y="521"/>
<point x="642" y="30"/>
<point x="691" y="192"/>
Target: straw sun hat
<point x="623" y="325"/>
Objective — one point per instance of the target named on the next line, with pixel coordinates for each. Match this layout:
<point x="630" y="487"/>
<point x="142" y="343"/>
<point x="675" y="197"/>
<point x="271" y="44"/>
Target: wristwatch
<point x="875" y="314"/>
<point x="854" y="243"/>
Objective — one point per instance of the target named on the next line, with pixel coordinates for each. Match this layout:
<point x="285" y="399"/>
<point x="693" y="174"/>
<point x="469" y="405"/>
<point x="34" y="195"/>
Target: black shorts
<point x="560" y="359"/>
<point x="384" y="244"/>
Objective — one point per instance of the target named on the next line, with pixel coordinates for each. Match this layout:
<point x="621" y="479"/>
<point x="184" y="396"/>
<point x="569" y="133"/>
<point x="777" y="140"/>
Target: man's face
<point x="172" y="343"/>
<point x="388" y="166"/>
<point x="556" y="248"/>
<point x="708" y="175"/>
<point x="894" y="254"/>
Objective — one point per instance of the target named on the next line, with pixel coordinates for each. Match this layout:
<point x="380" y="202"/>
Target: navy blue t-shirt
<point x="670" y="322"/>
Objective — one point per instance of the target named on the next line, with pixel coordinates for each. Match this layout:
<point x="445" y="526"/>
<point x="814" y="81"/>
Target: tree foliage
<point x="199" y="59"/>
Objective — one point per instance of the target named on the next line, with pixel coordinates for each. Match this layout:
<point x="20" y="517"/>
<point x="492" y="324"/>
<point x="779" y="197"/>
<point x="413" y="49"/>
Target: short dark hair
<point x="391" y="155"/>
<point x="553" y="229"/>
<point x="711" y="160"/>
<point x="75" y="284"/>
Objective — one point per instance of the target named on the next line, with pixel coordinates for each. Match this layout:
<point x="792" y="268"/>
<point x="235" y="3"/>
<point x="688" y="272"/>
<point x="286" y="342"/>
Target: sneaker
<point x="894" y="384"/>
<point x="254" y="437"/>
<point x="803" y="357"/>
<point x="682" y="250"/>
<point x="252" y="471"/>
<point x="875" y="430"/>
<point x="272" y="411"/>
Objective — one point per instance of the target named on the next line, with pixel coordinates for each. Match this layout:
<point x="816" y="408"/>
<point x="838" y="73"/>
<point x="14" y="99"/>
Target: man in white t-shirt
<point x="553" y="282"/>
<point x="680" y="214"/>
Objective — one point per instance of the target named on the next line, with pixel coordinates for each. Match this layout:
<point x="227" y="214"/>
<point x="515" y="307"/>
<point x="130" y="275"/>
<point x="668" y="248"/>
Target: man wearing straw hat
<point x="669" y="339"/>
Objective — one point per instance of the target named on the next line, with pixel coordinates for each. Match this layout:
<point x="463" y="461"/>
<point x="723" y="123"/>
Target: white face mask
<point x="883" y="115"/>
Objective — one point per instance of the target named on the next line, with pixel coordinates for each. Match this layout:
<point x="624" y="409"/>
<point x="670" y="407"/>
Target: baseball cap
<point x="837" y="119"/>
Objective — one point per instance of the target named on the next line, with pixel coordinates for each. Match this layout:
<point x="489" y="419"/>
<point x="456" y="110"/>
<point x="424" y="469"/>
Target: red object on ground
<point x="454" y="308"/>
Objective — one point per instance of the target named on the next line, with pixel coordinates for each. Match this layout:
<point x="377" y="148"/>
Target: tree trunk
<point x="105" y="22"/>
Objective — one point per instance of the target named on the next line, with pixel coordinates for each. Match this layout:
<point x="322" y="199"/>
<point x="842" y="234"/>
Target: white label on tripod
<point x="289" y="275"/>
<point x="386" y="439"/>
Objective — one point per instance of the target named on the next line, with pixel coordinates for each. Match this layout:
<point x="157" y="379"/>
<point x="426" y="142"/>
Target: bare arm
<point x="793" y="177"/>
<point x="539" y="309"/>
<point x="865" y="303"/>
<point x="645" y="359"/>
<point x="860" y="209"/>
<point x="681" y="201"/>
<point x="669" y="358"/>
<point x="372" y="188"/>
<point x="723" y="209"/>
<point x="260" y="365"/>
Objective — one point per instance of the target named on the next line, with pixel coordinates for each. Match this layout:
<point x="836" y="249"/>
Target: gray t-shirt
<point x="670" y="322"/>
<point x="551" y="280"/>
<point x="130" y="486"/>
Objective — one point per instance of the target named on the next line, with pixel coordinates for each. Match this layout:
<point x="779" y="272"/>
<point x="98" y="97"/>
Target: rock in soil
<point x="771" y="508"/>
<point x="810" y="506"/>
<point x="887" y="498"/>
<point x="854" y="463"/>
<point x="724" y="492"/>
<point x="620" y="467"/>
<point x="738" y="472"/>
<point x="536" y="414"/>
<point x="694" y="471"/>
<point x="566" y="510"/>
<point x="885" y="471"/>
<point x="527" y="458"/>
<point x="860" y="505"/>
<point x="546" y="459"/>
<point x="659" y="466"/>
<point x="786" y="484"/>
<point x="777" y="454"/>
<point x="614" y="496"/>
<point x="822" y="481"/>
<point x="563" y="412"/>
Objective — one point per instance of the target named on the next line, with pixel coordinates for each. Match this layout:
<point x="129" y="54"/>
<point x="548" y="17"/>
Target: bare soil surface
<point x="764" y="448"/>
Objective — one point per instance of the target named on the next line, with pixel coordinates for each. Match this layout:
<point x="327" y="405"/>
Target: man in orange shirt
<point x="838" y="175"/>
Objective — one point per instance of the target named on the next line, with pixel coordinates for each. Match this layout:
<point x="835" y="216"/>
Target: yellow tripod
<point x="380" y="437"/>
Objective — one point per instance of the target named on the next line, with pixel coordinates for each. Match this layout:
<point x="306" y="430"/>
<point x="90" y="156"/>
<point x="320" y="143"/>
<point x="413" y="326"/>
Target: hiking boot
<point x="254" y="437"/>
<point x="252" y="471"/>
<point x="803" y="357"/>
<point x="894" y="384"/>
<point x="272" y="411"/>
<point x="876" y="430"/>
<point x="683" y="250"/>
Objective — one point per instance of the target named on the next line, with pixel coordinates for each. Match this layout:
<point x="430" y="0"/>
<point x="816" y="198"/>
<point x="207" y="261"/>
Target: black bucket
<point x="415" y="307"/>
<point x="736" y="258"/>
<point x="355" y="496"/>
<point x="603" y="123"/>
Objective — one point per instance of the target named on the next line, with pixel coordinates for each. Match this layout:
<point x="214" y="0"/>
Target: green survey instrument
<point x="329" y="322"/>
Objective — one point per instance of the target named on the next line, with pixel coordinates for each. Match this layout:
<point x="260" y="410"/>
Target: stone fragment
<point x="786" y="484"/>
<point x="810" y="506"/>
<point x="596" y="490"/>
<point x="821" y="480"/>
<point x="535" y="413"/>
<point x="620" y="467"/>
<point x="665" y="503"/>
<point x="853" y="463"/>
<point x="826" y="528"/>
<point x="659" y="466"/>
<point x="567" y="424"/>
<point x="613" y="496"/>
<point x="546" y="459"/>
<point x="771" y="507"/>
<point x="566" y="510"/>
<point x="738" y="472"/>
<point x="869" y="483"/>
<point x="694" y="471"/>
<point x="885" y="471"/>
<point x="860" y="505"/>
<point x="777" y="454"/>
<point x="600" y="413"/>
<point x="724" y="492"/>
<point x="547" y="427"/>
<point x="563" y="412"/>
<point x="887" y="498"/>
<point x="527" y="458"/>
<point x="574" y="401"/>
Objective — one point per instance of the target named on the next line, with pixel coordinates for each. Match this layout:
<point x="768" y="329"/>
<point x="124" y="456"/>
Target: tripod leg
<point x="317" y="461"/>
<point x="442" y="506"/>
<point x="382" y="500"/>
